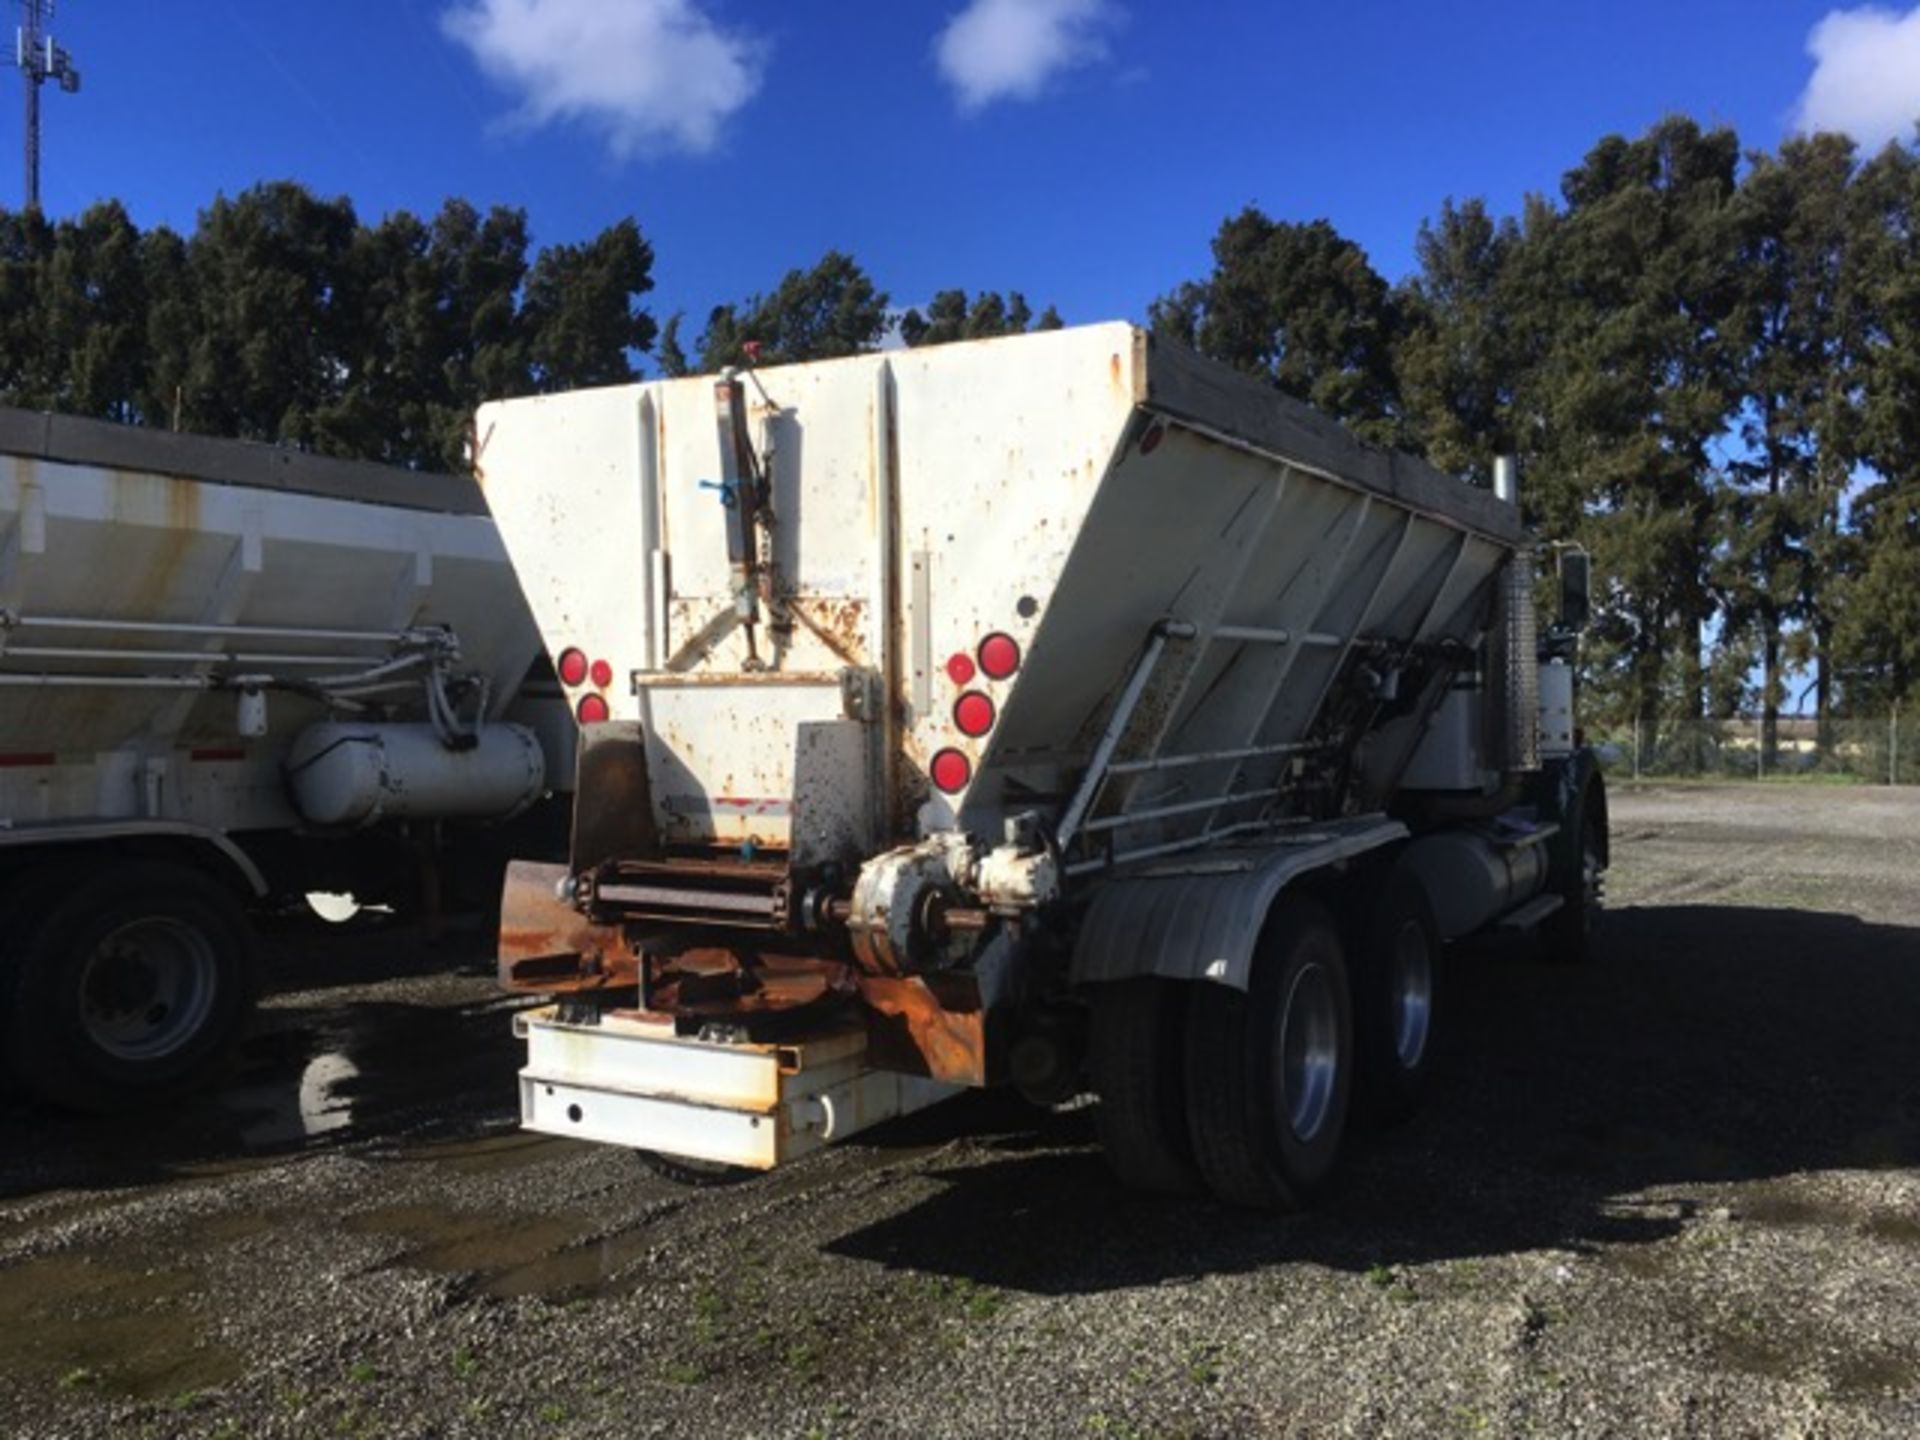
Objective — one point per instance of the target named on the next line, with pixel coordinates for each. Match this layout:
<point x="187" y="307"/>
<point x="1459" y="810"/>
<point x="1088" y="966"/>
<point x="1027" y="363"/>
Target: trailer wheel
<point x="1269" y="1069"/>
<point x="131" y="985"/>
<point x="696" y="1174"/>
<point x="1396" y="999"/>
<point x="1567" y="935"/>
<point x="17" y="893"/>
<point x="1134" y="1053"/>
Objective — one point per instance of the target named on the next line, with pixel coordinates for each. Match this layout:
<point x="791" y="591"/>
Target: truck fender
<point x="233" y="863"/>
<point x="1198" y="917"/>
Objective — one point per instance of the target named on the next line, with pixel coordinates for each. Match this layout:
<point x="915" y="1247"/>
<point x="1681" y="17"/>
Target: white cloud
<point x="1866" y="75"/>
<point x="1009" y="49"/>
<point x="648" y="74"/>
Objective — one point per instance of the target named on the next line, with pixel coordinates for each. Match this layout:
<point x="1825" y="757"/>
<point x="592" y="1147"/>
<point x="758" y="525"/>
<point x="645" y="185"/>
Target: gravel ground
<point x="1676" y="1192"/>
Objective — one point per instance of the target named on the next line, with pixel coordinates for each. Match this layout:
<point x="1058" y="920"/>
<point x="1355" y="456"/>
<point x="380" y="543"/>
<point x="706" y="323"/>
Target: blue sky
<point x="1082" y="151"/>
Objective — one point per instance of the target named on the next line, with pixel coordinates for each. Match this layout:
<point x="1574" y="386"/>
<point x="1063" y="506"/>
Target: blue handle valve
<point x="729" y="491"/>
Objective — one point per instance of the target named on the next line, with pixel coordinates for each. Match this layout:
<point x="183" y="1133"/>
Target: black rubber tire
<point x="1389" y="1079"/>
<point x="1134" y="1054"/>
<point x="19" y="896"/>
<point x="44" y="1020"/>
<point x="1238" y="1095"/>
<point x="1568" y="936"/>
<point x="695" y="1174"/>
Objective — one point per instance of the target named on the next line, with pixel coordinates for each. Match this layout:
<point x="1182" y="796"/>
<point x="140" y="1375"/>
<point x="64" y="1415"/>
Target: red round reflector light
<point x="999" y="655"/>
<point x="951" y="770"/>
<point x="960" y="668"/>
<point x="602" y="673"/>
<point x="973" y="713"/>
<point x="593" y="709"/>
<point x="572" y="666"/>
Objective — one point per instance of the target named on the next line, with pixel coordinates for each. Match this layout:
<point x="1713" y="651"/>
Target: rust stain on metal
<point x="717" y="868"/>
<point x="837" y="622"/>
<point x="549" y="948"/>
<point x="959" y="919"/>
<point x="695" y="890"/>
<point x="743" y="982"/>
<point x="929" y="1025"/>
<point x="181" y="527"/>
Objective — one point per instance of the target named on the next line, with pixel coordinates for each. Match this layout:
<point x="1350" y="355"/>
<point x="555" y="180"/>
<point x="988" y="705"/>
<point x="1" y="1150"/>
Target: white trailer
<point x="217" y="660"/>
<point x="1065" y="710"/>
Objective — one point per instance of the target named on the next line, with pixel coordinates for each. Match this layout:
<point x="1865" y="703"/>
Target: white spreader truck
<point x="231" y="675"/>
<point x="1063" y="710"/>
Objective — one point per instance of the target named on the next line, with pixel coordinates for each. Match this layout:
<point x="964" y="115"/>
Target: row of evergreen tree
<point x="1709" y="366"/>
<point x="284" y="317"/>
<point x="1707" y="361"/>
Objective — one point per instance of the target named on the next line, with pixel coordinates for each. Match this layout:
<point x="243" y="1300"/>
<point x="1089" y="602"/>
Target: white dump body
<point x="136" y="565"/>
<point x="1070" y="491"/>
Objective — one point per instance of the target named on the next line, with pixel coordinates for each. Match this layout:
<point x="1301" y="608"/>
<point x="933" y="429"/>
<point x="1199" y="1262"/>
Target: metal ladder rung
<point x="1185" y="807"/>
<point x="1263" y="635"/>
<point x="1251" y="634"/>
<point x="1202" y="757"/>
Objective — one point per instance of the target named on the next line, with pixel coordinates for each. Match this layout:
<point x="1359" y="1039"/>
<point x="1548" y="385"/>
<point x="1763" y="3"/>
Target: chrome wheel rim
<point x="147" y="988"/>
<point x="1309" y="1051"/>
<point x="1411" y="986"/>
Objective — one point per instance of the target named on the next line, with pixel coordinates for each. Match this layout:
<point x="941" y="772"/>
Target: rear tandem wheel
<point x="1136" y="1056"/>
<point x="1269" y="1070"/>
<point x="1398" y="996"/>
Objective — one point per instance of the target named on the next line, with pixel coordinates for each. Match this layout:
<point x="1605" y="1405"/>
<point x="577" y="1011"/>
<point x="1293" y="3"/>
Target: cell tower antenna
<point x="40" y="60"/>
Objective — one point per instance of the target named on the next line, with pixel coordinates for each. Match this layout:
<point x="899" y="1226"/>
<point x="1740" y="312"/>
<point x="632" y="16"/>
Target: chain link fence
<point x="1880" y="750"/>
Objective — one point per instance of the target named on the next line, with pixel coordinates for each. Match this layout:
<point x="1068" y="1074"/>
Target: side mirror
<point x="1576" y="596"/>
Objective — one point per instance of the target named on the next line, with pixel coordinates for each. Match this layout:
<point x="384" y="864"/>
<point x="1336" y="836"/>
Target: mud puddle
<point x="1793" y="1212"/>
<point x="1783" y="1353"/>
<point x="599" y="1268"/>
<point x="486" y="1155"/>
<point x="309" y="1079"/>
<point x="552" y="1257"/>
<point x="566" y="1255"/>
<point x="80" y="1324"/>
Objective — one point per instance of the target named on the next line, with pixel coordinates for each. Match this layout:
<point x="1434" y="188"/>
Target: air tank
<point x="344" y="775"/>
